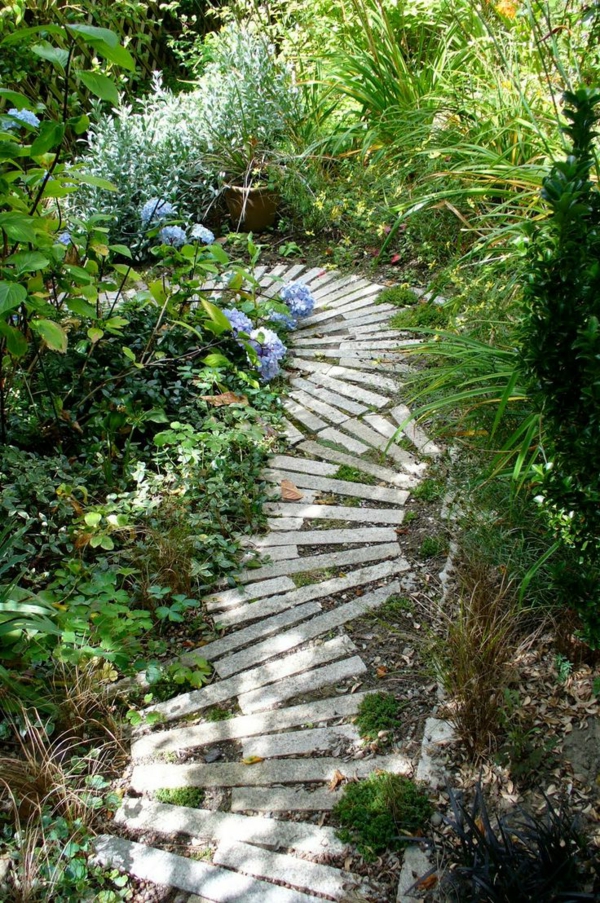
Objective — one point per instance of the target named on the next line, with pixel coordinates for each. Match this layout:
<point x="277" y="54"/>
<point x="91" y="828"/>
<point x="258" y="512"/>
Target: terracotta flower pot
<point x="251" y="209"/>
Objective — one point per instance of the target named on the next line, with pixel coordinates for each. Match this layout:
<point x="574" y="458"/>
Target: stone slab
<point x="346" y="310"/>
<point x="426" y="446"/>
<point x="302" y="633"/>
<point x="377" y="470"/>
<point x="283" y="799"/>
<point x="350" y="292"/>
<point x="340" y="487"/>
<point x="281" y="552"/>
<point x="320" y="589"/>
<point x="341" y="283"/>
<point x="415" y="865"/>
<point x="370" y="319"/>
<point x="292" y="433"/>
<point x="240" y="594"/>
<point x="365" y="434"/>
<point x="339" y="512"/>
<point x="309" y="563"/>
<point x="297" y="743"/>
<point x="310" y="402"/>
<point x="355" y="312"/>
<point x="358" y="345"/>
<point x="300" y="873"/>
<point x="374" y="380"/>
<point x="355" y="392"/>
<point x="381" y="365"/>
<point x="241" y="726"/>
<point x="300" y="413"/>
<point x="284" y="523"/>
<point x="206" y="824"/>
<point x="436" y="736"/>
<point x="146" y="778"/>
<point x="332" y="398"/>
<point x="327" y="537"/>
<point x="305" y="465"/>
<point x="255" y="678"/>
<point x="350" y="443"/>
<point x="299" y="684"/>
<point x="308" y="366"/>
<point x="216" y="884"/>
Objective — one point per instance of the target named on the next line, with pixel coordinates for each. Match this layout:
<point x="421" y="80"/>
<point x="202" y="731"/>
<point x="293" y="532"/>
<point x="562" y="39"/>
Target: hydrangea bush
<point x="298" y="298"/>
<point x="270" y="350"/>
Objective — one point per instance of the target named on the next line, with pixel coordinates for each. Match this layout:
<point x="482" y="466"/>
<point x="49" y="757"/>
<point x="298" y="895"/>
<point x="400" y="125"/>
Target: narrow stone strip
<point x="206" y="824"/>
<point x="401" y="414"/>
<point x="281" y="552"/>
<point x="376" y="470"/>
<point x="306" y="465"/>
<point x="241" y="594"/>
<point x="319" y="407"/>
<point x="382" y="443"/>
<point x="292" y="433"/>
<point x="283" y="799"/>
<point x="241" y="726"/>
<point x="338" y="512"/>
<point x="340" y="487"/>
<point x="300" y="873"/>
<point x="273" y="541"/>
<point x="297" y="743"/>
<point x="332" y="398"/>
<point x="292" y="687"/>
<point x="216" y="884"/>
<point x="355" y="392"/>
<point x="307" y="418"/>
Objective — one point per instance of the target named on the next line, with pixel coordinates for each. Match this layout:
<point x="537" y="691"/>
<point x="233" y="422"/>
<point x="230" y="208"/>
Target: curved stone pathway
<point x="285" y="659"/>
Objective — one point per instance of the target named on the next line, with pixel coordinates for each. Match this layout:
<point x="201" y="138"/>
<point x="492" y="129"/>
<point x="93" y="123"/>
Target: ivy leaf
<point x="11" y="296"/>
<point x="53" y="335"/>
<point x="101" y="86"/>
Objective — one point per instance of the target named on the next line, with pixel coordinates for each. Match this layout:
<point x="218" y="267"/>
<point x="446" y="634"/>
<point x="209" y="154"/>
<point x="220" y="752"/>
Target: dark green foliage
<point x="518" y="860"/>
<point x="379" y="813"/>
<point x="354" y="475"/>
<point x="432" y="546"/>
<point x="398" y="295"/>
<point x="561" y="352"/>
<point x="377" y="712"/>
<point x="427" y="316"/>
<point x="217" y="714"/>
<point x="429" y="490"/>
<point x="193" y="797"/>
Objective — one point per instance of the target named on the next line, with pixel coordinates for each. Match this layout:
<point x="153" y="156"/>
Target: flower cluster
<point x="172" y="235"/>
<point x="64" y="238"/>
<point x="202" y="234"/>
<point x="238" y="321"/>
<point x="283" y="319"/>
<point x="298" y="298"/>
<point x="25" y="116"/>
<point x="155" y="211"/>
<point x="270" y="350"/>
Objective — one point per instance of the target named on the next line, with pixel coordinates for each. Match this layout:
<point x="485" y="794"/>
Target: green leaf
<point x="17" y="226"/>
<point x="81" y="307"/>
<point x="28" y="261"/>
<point x="216" y="360"/>
<point x="219" y="254"/>
<point x="16" y="343"/>
<point x="157" y="290"/>
<point x="50" y="135"/>
<point x="94" y="334"/>
<point x="118" y="55"/>
<point x="20" y="100"/>
<point x="123" y="250"/>
<point x="116" y="323"/>
<point x="217" y="316"/>
<point x="11" y="296"/>
<point x="93" y="518"/>
<point x="101" y="86"/>
<point x="91" y="34"/>
<point x="80" y="124"/>
<point x="128" y="353"/>
<point x="55" y="55"/>
<point x="77" y="175"/>
<point x="53" y="335"/>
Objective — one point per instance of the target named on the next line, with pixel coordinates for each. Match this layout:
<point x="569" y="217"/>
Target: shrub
<point x="377" y="712"/>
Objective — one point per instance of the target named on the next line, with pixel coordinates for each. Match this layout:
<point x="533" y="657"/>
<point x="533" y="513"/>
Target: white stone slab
<point x="347" y="442"/>
<point x="320" y="589"/>
<point x="261" y="774"/>
<point x="381" y="365"/>
<point x="308" y="630"/>
<point x="312" y="403"/>
<point x="259" y="590"/>
<point x="364" y="433"/>
<point x="292" y="433"/>
<point x="282" y="552"/>
<point x="401" y="414"/>
<point x="304" y="416"/>
<point x="306" y="465"/>
<point x="317" y="278"/>
<point x="376" y="470"/>
<point x="358" y="289"/>
<point x="346" y="283"/>
<point x="297" y="743"/>
<point x="299" y="684"/>
<point x="369" y="379"/>
<point x="283" y="799"/>
<point x="332" y="398"/>
<point x="415" y="865"/>
<point x="437" y="735"/>
<point x="340" y="487"/>
<point x="370" y="319"/>
<point x="363" y="305"/>
<point x="327" y="537"/>
<point x="240" y="726"/>
<point x="308" y="563"/>
<point x="285" y="523"/>
<point x="338" y="512"/>
<point x="357" y="345"/>
<point x="300" y="873"/>
<point x="308" y="366"/>
<point x="206" y="824"/>
<point x="196" y="700"/>
<point x="216" y="884"/>
<point x="356" y="312"/>
<point x="340" y="387"/>
<point x="319" y="340"/>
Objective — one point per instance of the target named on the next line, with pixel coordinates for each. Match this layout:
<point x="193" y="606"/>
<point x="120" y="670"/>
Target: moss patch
<point x="377" y="712"/>
<point x="193" y="797"/>
<point x="354" y="475"/>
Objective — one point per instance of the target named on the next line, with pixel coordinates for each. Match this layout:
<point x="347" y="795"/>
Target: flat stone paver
<point x="216" y="884"/>
<point x="382" y="473"/>
<point x="374" y="380"/>
<point x="241" y="594"/>
<point x="292" y="433"/>
<point x="371" y="399"/>
<point x="296" y="743"/>
<point x="340" y="512"/>
<point x="332" y="398"/>
<point x="303" y="415"/>
<point x="281" y="552"/>
<point x="283" y="799"/>
<point x="340" y="487"/>
<point x="207" y="824"/>
<point x="349" y="443"/>
<point x="327" y="537"/>
<point x="312" y="403"/>
<point x="305" y="465"/>
<point x="426" y="446"/>
<point x="300" y="873"/>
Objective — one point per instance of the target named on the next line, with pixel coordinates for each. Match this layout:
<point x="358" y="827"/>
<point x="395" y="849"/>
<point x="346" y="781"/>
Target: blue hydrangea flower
<point x="270" y="349"/>
<point x="172" y="235"/>
<point x="202" y="234"/>
<point x="286" y="321"/>
<point x="298" y="298"/>
<point x="155" y="211"/>
<point x="238" y="321"/>
<point x="64" y="238"/>
<point x="25" y="116"/>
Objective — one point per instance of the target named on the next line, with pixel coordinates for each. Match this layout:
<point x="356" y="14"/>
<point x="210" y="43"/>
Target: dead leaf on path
<point x="427" y="882"/>
<point x="382" y="671"/>
<point x="252" y="760"/>
<point x="289" y="492"/>
<point x="336" y="780"/>
<point x="226" y="398"/>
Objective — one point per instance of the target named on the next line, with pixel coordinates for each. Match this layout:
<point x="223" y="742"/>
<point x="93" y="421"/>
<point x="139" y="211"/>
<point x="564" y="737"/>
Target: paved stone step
<point x="285" y="275"/>
<point x="320" y="589"/>
<point x="205" y="824"/>
<point x="300" y="873"/>
<point x="308" y="563"/>
<point x="219" y="885"/>
<point x="426" y="446"/>
<point x="311" y="403"/>
<point x="392" y="365"/>
<point x="285" y="523"/>
<point x="292" y="433"/>
<point x="241" y="726"/>
<point x="297" y="743"/>
<point x="223" y="690"/>
<point x="281" y="552"/>
<point x="358" y="337"/>
<point x="340" y="487"/>
<point x="350" y="358"/>
<point x="374" y="380"/>
<point x="361" y="305"/>
<point x="148" y="778"/>
<point x="356" y="346"/>
<point x="377" y="320"/>
<point x="306" y="465"/>
<point x="308" y="630"/>
<point x="339" y="512"/>
<point x="355" y="392"/>
<point x="376" y="470"/>
<point x="356" y="311"/>
<point x="303" y="415"/>
<point x="299" y="684"/>
<point x="283" y="799"/>
<point x="341" y="284"/>
<point x="332" y="398"/>
<point x="382" y="443"/>
<point x="259" y="590"/>
<point x="344" y="440"/>
<point x="360" y="288"/>
<point x="268" y="544"/>
<point x="317" y="278"/>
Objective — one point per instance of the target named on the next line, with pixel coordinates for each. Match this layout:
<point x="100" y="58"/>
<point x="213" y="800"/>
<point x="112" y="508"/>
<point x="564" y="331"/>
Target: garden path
<point x="285" y="658"/>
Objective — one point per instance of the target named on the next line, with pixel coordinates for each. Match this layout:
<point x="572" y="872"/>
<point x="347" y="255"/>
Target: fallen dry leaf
<point x="289" y="492"/>
<point x="226" y="398"/>
<point x="382" y="671"/>
<point x="336" y="780"/>
<point x="252" y="760"/>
